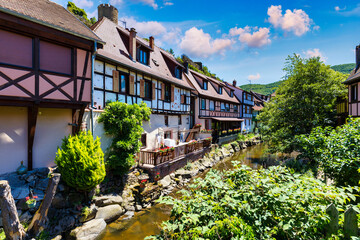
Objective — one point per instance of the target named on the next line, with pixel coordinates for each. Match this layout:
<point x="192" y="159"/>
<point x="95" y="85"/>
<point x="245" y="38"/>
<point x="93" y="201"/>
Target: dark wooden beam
<point x="32" y="117"/>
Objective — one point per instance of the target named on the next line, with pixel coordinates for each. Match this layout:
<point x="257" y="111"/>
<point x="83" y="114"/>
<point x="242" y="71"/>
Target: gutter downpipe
<point x="92" y="89"/>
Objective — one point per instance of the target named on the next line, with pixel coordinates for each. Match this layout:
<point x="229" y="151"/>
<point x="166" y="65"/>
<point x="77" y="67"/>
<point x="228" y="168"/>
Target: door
<point x="192" y="112"/>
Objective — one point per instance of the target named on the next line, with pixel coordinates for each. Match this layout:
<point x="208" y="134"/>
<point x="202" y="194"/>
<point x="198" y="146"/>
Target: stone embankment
<point x="76" y="215"/>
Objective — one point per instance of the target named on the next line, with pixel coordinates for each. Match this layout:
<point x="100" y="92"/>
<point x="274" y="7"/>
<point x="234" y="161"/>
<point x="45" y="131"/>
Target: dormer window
<point x="220" y="90"/>
<point x="231" y="93"/>
<point x="143" y="56"/>
<point x="205" y="85"/>
<point x="178" y="72"/>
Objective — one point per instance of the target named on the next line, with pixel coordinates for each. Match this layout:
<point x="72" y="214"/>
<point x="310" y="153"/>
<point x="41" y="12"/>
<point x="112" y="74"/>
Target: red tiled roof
<point x="48" y="13"/>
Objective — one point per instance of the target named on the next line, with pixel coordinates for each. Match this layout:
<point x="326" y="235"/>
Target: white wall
<point x="51" y="127"/>
<point x="13" y="138"/>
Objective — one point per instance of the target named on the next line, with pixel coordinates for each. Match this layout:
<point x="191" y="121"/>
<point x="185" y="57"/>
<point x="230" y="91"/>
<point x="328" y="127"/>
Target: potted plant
<point x="157" y="177"/>
<point x="31" y="201"/>
<point x="142" y="183"/>
<point x="198" y="125"/>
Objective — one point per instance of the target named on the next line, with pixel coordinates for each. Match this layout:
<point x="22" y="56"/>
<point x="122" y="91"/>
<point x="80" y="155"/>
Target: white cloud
<point x="253" y="37"/>
<point x="315" y="53"/>
<point x="83" y="3"/>
<point x="337" y="8"/>
<point x="218" y="31"/>
<point x="254" y="77"/>
<point x="168" y="3"/>
<point x="116" y="2"/>
<point x="148" y="2"/>
<point x="199" y="44"/>
<point x="296" y="21"/>
<point x="145" y="29"/>
<point x="316" y="28"/>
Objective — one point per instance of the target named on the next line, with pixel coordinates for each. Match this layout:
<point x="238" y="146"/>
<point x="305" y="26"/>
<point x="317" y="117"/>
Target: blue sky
<point x="244" y="40"/>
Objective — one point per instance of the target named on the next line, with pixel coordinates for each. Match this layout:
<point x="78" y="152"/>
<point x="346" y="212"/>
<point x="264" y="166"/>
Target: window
<point x="167" y="93"/>
<point x="167" y="134"/>
<point x="166" y="118"/>
<point x="179" y="120"/>
<point x="231" y="93"/>
<point x="122" y="79"/>
<point x="227" y="107"/>
<point x="223" y="107"/>
<point x="148" y="90"/>
<point x="143" y="140"/>
<point x="354" y="92"/>
<point x="16" y="49"/>
<point x="205" y="85"/>
<point x="178" y="72"/>
<point x="143" y="56"/>
<point x="235" y="108"/>
<point x="212" y="105"/>
<point x="55" y="58"/>
<point x="203" y="104"/>
<point x="220" y="90"/>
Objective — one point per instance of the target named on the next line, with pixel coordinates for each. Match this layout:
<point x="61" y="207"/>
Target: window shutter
<point x="115" y="81"/>
<point x="132" y="83"/>
<point x="142" y="91"/>
<point x="153" y="91"/>
<point x="182" y="99"/>
<point x="162" y="91"/>
<point x="172" y="93"/>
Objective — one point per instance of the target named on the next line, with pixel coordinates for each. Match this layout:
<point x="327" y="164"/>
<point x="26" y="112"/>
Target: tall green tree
<point x="306" y="99"/>
<point x="80" y="14"/>
<point x="124" y="123"/>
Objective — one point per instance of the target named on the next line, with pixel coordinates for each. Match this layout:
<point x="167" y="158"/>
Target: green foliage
<point x="344" y="68"/>
<point x="305" y="100"/>
<point x="124" y="123"/>
<point x="81" y="161"/>
<point x="80" y="14"/>
<point x="335" y="151"/>
<point x="241" y="203"/>
<point x="265" y="89"/>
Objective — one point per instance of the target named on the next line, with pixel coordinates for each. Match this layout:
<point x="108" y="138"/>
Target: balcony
<point x="209" y="113"/>
<point x="160" y="156"/>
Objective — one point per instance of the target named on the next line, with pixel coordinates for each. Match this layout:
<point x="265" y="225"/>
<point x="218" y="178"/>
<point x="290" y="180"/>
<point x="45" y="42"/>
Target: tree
<point x="124" y="123"/>
<point x="80" y="14"/>
<point x="305" y="100"/>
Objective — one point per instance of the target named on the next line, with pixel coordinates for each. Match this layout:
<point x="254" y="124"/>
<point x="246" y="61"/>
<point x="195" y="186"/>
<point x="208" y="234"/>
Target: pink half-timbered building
<point x="353" y="83"/>
<point x="45" y="80"/>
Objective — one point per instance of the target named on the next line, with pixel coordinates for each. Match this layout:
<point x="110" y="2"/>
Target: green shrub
<point x="81" y="161"/>
<point x="241" y="203"/>
<point x="124" y="123"/>
<point x="335" y="151"/>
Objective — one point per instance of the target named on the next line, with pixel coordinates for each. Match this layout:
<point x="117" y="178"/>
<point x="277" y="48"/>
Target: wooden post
<point x="40" y="220"/>
<point x="12" y="226"/>
<point x="350" y="223"/>
<point x="334" y="220"/>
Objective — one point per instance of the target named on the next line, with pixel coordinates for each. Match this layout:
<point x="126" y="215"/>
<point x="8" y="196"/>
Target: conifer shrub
<point x="123" y="122"/>
<point x="81" y="161"/>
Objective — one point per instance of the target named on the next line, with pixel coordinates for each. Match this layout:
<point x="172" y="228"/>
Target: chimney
<point x="151" y="42"/>
<point x="357" y="55"/>
<point x="234" y="83"/>
<point x="186" y="65"/>
<point x="108" y="11"/>
<point x="132" y="44"/>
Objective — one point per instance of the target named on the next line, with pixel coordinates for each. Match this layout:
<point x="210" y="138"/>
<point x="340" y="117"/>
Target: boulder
<point x="90" y="230"/>
<point x="67" y="223"/>
<point x="166" y="181"/>
<point x="108" y="200"/>
<point x="20" y="192"/>
<point x="25" y="217"/>
<point x="42" y="184"/>
<point x="183" y="173"/>
<point x="90" y="214"/>
<point x="109" y="213"/>
<point x="130" y="179"/>
<point x="58" y="201"/>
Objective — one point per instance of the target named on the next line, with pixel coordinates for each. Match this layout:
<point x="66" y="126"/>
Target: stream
<point x="145" y="223"/>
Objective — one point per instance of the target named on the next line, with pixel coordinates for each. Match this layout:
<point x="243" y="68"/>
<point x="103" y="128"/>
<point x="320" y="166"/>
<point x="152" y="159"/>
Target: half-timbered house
<point x="215" y="106"/>
<point x="353" y="84"/>
<point x="131" y="69"/>
<point x="45" y="80"/>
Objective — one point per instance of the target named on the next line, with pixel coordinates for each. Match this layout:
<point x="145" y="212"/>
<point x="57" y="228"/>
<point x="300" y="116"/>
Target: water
<point x="145" y="223"/>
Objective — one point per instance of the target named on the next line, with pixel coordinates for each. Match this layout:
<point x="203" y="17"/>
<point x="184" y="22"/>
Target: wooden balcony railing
<point x="155" y="157"/>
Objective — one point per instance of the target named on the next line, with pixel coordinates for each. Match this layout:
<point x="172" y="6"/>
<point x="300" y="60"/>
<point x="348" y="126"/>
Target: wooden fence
<point x="350" y="221"/>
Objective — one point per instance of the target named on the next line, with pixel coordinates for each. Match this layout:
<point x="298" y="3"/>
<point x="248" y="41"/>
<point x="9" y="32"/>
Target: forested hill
<point x="271" y="87"/>
<point x="265" y="89"/>
<point x="344" y="68"/>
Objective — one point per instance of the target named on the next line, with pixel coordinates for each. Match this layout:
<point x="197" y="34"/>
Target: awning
<point x="227" y="119"/>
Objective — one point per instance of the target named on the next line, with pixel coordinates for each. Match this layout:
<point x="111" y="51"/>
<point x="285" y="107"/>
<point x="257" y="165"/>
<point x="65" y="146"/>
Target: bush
<point x="81" y="161"/>
<point x="241" y="203"/>
<point x="124" y="123"/>
<point x="335" y="151"/>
